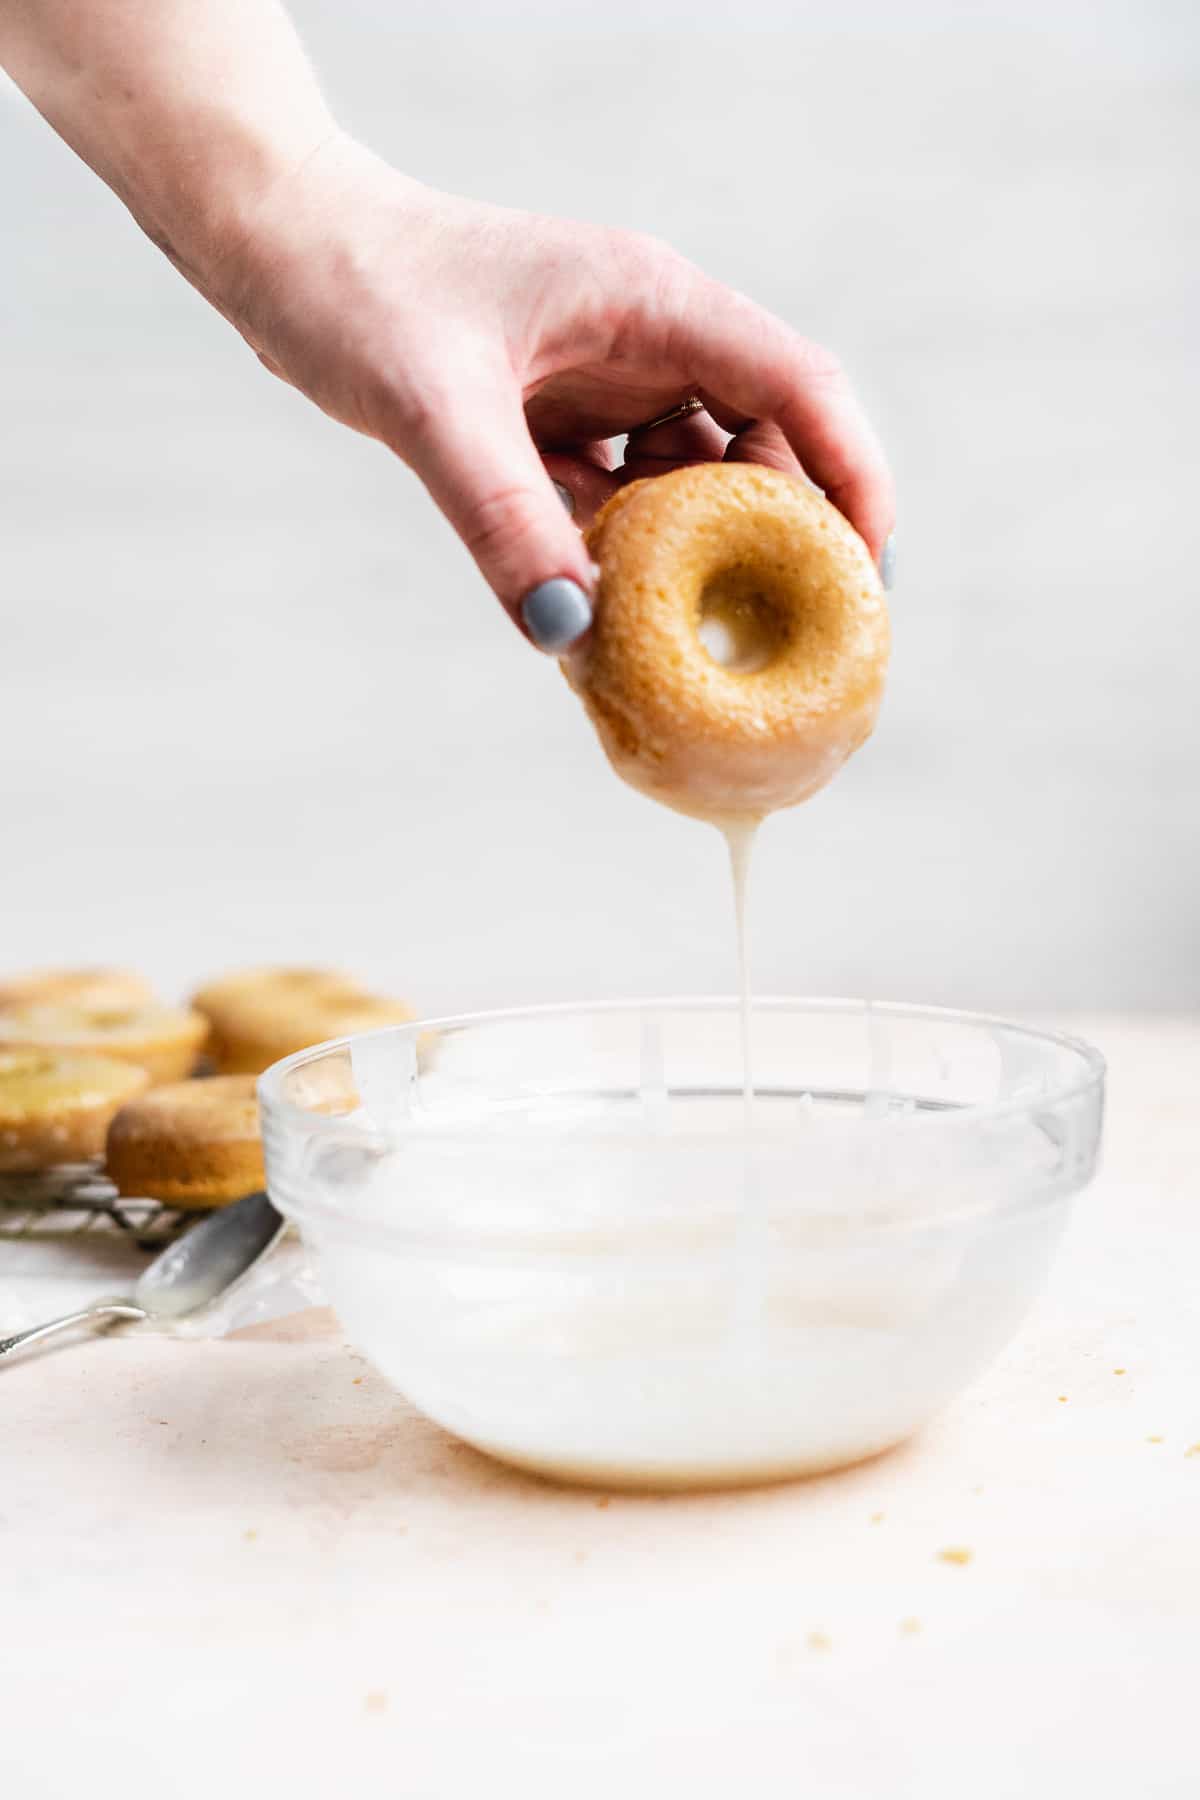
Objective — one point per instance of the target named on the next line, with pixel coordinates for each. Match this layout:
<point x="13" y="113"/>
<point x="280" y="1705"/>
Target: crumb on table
<point x="955" y="1554"/>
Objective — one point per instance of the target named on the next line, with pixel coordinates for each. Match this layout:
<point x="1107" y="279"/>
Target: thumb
<point x="478" y="461"/>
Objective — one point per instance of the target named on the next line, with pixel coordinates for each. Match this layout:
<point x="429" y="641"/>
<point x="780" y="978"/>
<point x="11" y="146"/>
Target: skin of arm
<point x="488" y="348"/>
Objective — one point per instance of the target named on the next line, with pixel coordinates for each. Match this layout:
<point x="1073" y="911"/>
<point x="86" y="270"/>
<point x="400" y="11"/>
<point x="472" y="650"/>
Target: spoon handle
<point x="110" y="1310"/>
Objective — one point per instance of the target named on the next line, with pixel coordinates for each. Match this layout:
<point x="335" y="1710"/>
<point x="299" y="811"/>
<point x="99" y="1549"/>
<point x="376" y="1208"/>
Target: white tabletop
<point x="245" y="1565"/>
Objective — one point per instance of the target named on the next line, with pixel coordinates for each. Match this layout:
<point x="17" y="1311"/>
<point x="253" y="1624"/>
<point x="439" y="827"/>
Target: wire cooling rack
<point x="75" y="1198"/>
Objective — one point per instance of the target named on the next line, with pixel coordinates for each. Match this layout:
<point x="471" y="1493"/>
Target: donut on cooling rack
<point x="164" y="1040"/>
<point x="259" y="1015"/>
<point x="111" y="988"/>
<point x="192" y="1143"/>
<point x="740" y="641"/>
<point x="56" y="1109"/>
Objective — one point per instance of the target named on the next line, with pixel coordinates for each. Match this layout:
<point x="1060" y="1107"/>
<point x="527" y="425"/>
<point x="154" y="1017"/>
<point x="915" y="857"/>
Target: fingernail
<point x="887" y="563"/>
<point x="555" y="613"/>
<point x="567" y="498"/>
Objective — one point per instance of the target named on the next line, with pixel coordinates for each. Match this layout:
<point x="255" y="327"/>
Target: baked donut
<point x="163" y="1040"/>
<point x="259" y="1015"/>
<point x="76" y="987"/>
<point x="192" y="1143"/>
<point x="740" y="641"/>
<point x="56" y="1109"/>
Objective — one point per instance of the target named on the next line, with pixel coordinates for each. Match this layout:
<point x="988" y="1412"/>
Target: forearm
<point x="193" y="111"/>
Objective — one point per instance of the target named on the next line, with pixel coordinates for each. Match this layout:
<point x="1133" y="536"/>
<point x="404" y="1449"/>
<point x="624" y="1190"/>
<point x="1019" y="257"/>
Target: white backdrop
<point x="255" y="703"/>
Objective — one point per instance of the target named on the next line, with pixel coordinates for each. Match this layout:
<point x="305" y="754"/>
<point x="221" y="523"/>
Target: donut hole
<point x="741" y="625"/>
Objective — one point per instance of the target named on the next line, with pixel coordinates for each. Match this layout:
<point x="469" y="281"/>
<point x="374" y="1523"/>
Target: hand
<point x="493" y="349"/>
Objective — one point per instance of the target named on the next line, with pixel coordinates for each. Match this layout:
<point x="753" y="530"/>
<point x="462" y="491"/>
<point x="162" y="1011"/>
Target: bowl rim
<point x="1091" y="1074"/>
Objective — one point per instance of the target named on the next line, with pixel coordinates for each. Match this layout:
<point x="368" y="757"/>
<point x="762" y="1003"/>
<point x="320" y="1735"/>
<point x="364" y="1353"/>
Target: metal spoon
<point x="191" y="1272"/>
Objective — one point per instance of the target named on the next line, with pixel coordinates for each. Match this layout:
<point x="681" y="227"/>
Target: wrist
<point x="206" y="206"/>
<point x="291" y="232"/>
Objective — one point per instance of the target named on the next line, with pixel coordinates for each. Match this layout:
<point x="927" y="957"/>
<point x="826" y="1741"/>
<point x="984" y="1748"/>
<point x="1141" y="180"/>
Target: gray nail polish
<point x="555" y="613"/>
<point x="887" y="563"/>
<point x="567" y="498"/>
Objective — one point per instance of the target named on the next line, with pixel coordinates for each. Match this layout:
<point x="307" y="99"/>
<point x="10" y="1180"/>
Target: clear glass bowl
<point x="563" y="1236"/>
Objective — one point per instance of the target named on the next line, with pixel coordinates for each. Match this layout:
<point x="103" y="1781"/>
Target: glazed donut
<point x="113" y="988"/>
<point x="56" y="1109"/>
<point x="163" y="1040"/>
<point x="259" y="1015"/>
<point x="740" y="640"/>
<point x="192" y="1143"/>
